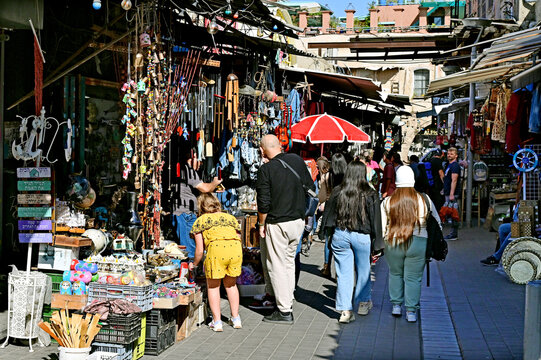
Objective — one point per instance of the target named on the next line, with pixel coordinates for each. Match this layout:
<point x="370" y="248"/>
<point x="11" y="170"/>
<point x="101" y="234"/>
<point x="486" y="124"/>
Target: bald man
<point x="281" y="202"/>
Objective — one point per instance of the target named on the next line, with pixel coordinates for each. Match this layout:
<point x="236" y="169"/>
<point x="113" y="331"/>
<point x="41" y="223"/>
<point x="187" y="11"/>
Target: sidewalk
<point x="469" y="312"/>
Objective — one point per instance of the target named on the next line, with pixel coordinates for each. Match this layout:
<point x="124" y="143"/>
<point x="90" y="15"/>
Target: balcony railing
<point x="379" y="29"/>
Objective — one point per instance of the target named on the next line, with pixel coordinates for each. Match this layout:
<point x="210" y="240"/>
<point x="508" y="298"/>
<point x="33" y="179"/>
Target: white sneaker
<point x="346" y="317"/>
<point x="397" y="310"/>
<point x="411" y="316"/>
<point x="364" y="307"/>
<point x="235" y="322"/>
<point x="216" y="326"/>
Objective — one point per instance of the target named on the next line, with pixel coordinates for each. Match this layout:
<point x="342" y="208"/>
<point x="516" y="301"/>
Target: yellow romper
<point x="222" y="242"/>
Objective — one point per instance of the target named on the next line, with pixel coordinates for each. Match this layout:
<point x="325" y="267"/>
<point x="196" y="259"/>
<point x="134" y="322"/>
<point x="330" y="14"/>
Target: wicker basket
<point x="522" y="271"/>
<point x="521" y="243"/>
<point x="533" y="255"/>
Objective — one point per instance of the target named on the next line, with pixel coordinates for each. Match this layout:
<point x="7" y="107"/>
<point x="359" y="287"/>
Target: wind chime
<point x="154" y="101"/>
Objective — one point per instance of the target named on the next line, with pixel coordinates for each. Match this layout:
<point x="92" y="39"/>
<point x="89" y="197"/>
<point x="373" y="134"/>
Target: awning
<point x="527" y="77"/>
<point x="466" y="77"/>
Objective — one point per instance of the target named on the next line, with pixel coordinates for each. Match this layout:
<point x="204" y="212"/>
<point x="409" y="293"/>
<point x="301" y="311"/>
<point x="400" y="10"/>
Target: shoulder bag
<point x="311" y="197"/>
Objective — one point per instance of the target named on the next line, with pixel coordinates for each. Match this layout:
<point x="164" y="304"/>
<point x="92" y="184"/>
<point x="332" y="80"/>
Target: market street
<point x="487" y="311"/>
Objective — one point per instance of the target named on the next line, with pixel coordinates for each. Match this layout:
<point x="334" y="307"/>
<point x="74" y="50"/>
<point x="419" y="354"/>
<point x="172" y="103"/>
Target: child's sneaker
<point x="216" y="326"/>
<point x="411" y="316"/>
<point x="235" y="322"/>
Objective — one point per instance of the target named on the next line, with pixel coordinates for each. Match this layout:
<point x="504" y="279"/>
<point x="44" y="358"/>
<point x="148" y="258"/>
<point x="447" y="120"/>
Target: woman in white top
<point x="403" y="217"/>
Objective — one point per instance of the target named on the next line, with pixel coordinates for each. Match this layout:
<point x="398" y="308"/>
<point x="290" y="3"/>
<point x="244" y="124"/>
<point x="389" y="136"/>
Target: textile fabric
<point x="406" y="268"/>
<point x="224" y="257"/>
<point x="352" y="257"/>
<point x="183" y="224"/>
<point x="216" y="226"/>
<point x="278" y="256"/>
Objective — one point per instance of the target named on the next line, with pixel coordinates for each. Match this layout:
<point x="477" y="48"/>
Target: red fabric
<point x="38" y="77"/>
<point x="327" y="129"/>
<point x="517" y="109"/>
<point x="388" y="174"/>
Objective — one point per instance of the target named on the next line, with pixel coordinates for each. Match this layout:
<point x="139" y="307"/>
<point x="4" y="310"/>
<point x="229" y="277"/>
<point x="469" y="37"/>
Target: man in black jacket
<point x="281" y="202"/>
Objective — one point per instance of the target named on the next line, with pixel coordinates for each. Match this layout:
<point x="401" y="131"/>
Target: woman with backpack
<point x="403" y="216"/>
<point x="353" y="215"/>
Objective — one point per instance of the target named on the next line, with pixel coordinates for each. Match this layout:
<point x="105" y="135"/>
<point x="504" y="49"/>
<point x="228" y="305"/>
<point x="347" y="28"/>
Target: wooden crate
<point x="71" y="302"/>
<point x="63" y="240"/>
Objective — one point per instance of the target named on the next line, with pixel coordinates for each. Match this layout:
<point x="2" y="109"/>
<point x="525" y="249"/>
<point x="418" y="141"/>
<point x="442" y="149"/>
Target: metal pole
<point x="469" y="184"/>
<point x="3" y="39"/>
<point x="532" y="321"/>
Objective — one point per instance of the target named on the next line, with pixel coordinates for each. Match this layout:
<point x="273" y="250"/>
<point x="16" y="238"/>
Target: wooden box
<point x="71" y="302"/>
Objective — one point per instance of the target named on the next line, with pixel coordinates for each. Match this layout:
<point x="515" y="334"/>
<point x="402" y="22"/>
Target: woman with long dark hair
<point x="353" y="213"/>
<point x="403" y="216"/>
<point x="338" y="169"/>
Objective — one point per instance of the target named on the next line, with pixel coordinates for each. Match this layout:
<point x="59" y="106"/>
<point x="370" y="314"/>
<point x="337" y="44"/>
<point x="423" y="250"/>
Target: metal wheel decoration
<point x="525" y="160"/>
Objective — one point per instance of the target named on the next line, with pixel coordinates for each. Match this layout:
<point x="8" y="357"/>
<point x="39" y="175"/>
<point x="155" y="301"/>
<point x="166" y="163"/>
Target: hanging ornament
<point x="212" y="27"/>
<point x="126" y="4"/>
<point x="144" y="39"/>
<point x="96" y="4"/>
<point x="275" y="27"/>
<point x="236" y="15"/>
<point x="260" y="32"/>
<point x="228" y="11"/>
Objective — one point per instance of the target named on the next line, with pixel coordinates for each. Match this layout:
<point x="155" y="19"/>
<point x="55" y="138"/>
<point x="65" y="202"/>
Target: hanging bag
<point x="311" y="197"/>
<point x="436" y="246"/>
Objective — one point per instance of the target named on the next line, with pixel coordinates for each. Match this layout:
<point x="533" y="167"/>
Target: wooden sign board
<point x="35" y="172"/>
<point x="38" y="212"/>
<point x="35" y="238"/>
<point x="23" y="185"/>
<point x="34" y="198"/>
<point x="29" y="225"/>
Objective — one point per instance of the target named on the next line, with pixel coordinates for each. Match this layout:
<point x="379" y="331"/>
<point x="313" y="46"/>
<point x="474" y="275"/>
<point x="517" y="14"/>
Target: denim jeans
<point x="406" y="268"/>
<point x="352" y="257"/>
<point x="327" y="252"/>
<point x="183" y="224"/>
<point x="504" y="232"/>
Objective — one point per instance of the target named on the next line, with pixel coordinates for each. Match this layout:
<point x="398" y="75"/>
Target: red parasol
<point x="325" y="128"/>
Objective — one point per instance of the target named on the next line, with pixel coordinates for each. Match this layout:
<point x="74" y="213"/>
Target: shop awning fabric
<point x="466" y="77"/>
<point x="325" y="128"/>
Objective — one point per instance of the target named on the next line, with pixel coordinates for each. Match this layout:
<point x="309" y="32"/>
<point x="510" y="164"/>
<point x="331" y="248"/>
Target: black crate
<point x="161" y="318"/>
<point x="155" y="346"/>
<point x="120" y="329"/>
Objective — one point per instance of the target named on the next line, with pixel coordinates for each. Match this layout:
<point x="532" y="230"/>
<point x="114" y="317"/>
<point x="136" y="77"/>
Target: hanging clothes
<point x="500" y="119"/>
<point x="535" y="112"/>
<point x="517" y="110"/>
<point x="294" y="101"/>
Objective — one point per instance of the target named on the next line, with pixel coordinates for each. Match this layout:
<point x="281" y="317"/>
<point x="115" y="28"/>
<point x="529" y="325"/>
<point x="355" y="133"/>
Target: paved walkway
<point x="469" y="312"/>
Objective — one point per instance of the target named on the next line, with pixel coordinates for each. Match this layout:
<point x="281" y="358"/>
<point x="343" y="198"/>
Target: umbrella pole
<point x="322" y="149"/>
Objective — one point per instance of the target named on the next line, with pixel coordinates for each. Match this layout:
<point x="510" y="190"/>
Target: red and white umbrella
<point x="325" y="128"/>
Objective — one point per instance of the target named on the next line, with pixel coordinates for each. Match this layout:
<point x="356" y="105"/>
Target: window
<point x="421" y="78"/>
<point x="395" y="87"/>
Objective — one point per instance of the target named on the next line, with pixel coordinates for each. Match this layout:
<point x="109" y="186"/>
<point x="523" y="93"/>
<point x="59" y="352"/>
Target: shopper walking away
<point x="338" y="169"/>
<point x="403" y="216"/>
<point x="281" y="203"/>
<point x="388" y="180"/>
<point x="218" y="234"/>
<point x="353" y="213"/>
<point x="451" y="187"/>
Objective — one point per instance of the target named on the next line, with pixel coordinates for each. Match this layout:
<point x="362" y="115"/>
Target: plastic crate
<point x="161" y="317"/>
<point x="139" y="344"/>
<point x="56" y="279"/>
<point x="155" y="346"/>
<point x="120" y="329"/>
<point x="139" y="295"/>
<point x="102" y="355"/>
<point x="123" y="352"/>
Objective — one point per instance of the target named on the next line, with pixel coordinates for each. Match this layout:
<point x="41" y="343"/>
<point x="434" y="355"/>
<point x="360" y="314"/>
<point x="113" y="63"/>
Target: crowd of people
<point x="365" y="210"/>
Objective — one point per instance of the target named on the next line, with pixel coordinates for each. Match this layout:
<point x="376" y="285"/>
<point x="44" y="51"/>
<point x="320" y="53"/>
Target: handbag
<point x="436" y="246"/>
<point x="311" y="196"/>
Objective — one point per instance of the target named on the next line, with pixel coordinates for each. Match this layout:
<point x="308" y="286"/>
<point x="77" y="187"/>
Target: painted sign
<point x="39" y="212"/>
<point x="35" y="172"/>
<point x="35" y="238"/>
<point x="28" y="225"/>
<point x="23" y="185"/>
<point x="34" y="198"/>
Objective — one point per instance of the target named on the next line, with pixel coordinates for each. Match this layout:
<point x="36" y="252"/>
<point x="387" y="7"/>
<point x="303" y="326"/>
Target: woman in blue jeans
<point x="353" y="215"/>
<point x="404" y="230"/>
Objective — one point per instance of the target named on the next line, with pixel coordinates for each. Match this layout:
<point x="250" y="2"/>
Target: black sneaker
<point x="267" y="303"/>
<point x="278" y="317"/>
<point x="451" y="237"/>
<point x="490" y="261"/>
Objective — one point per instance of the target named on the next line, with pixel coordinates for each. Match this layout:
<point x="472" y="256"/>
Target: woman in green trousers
<point x="403" y="217"/>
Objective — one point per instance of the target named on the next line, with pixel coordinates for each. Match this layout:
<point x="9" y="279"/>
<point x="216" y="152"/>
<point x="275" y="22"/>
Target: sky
<point x="338" y="6"/>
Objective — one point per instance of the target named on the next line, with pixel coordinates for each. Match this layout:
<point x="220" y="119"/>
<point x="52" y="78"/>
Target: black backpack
<point x="436" y="246"/>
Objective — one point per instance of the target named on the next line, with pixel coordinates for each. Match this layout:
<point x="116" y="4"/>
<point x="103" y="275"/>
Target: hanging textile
<point x="535" y="113"/>
<point x="500" y="119"/>
<point x="517" y="110"/>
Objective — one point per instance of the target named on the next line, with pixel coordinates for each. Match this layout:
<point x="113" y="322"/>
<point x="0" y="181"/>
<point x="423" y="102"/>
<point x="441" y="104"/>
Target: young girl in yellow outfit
<point x="218" y="234"/>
